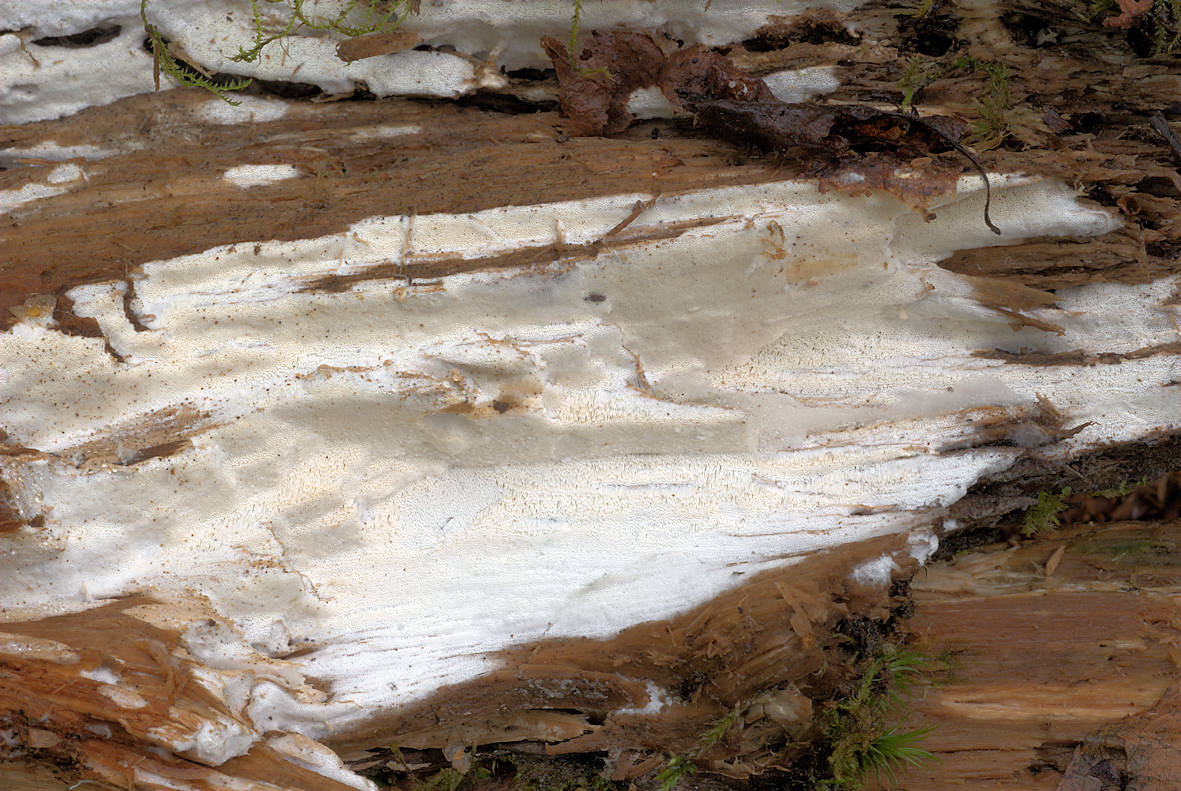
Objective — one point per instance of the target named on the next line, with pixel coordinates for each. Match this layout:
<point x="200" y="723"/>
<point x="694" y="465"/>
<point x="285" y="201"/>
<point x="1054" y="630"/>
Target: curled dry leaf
<point x="594" y="83"/>
<point x="1130" y="13"/>
<point x="1054" y="120"/>
<point x="697" y="72"/>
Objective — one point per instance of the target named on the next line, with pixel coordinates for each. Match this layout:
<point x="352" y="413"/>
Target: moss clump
<point x="492" y="768"/>
<point x="860" y="732"/>
<point x="681" y="765"/>
<point x="1042" y="516"/>
<point x="1160" y="24"/>
<point x="443" y="780"/>
<point x="992" y="106"/>
<point x="356" y="18"/>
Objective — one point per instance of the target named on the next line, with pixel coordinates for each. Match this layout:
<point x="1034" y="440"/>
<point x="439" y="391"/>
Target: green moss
<point x="1137" y="550"/>
<point x="914" y="78"/>
<point x="1123" y="489"/>
<point x="575" y="23"/>
<point x="355" y="19"/>
<point x="530" y="778"/>
<point x="1166" y="37"/>
<point x="858" y="758"/>
<point x="498" y="767"/>
<point x="993" y="105"/>
<point x="1115" y="491"/>
<point x="860" y="732"/>
<point x="443" y="780"/>
<point x="996" y="102"/>
<point x="921" y="10"/>
<point x="1042" y="516"/>
<point x="680" y="766"/>
<point x="1162" y="23"/>
<point x="183" y="74"/>
<point x="1133" y="549"/>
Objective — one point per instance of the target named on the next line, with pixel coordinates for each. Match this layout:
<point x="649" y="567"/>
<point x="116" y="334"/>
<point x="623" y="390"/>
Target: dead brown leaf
<point x="595" y="83"/>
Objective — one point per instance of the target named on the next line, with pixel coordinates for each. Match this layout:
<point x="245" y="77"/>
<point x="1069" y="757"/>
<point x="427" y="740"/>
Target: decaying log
<point x="370" y="436"/>
<point x="1063" y="670"/>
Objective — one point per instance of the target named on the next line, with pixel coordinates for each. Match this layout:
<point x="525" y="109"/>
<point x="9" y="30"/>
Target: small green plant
<point x="1166" y="35"/>
<point x="862" y="741"/>
<point x="681" y="765"/>
<point x="575" y="22"/>
<point x="914" y="78"/>
<point x="881" y="756"/>
<point x="1043" y="515"/>
<point x="677" y="768"/>
<point x="356" y="18"/>
<point x="443" y="780"/>
<point x="376" y="16"/>
<point x="995" y="104"/>
<point x="183" y="74"/>
<point x="922" y="9"/>
<point x="992" y="107"/>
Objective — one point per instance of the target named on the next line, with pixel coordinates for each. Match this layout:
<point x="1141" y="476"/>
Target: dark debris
<point x="595" y="84"/>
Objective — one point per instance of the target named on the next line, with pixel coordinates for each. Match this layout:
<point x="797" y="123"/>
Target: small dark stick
<point x="1164" y="130"/>
<point x="960" y="147"/>
<point x="783" y="125"/>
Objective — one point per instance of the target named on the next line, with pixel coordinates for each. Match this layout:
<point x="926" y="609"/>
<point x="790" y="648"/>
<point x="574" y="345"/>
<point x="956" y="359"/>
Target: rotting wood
<point x="444" y="161"/>
<point x="162" y="196"/>
<point x="1050" y="666"/>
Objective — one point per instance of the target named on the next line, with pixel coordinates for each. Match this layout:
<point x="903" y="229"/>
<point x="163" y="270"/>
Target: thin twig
<point x="961" y="148"/>
<point x="639" y="208"/>
<point x="1163" y="129"/>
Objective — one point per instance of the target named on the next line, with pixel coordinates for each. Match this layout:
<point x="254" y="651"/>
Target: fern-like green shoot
<point x="184" y="75"/>
<point x="670" y="776"/>
<point x="1043" y="515"/>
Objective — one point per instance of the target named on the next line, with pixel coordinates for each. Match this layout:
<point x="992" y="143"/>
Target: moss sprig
<point x="863" y="741"/>
<point x="679" y="766"/>
<point x="378" y="16"/>
<point x="183" y="74"/>
<point x="1043" y="515"/>
<point x="992" y="106"/>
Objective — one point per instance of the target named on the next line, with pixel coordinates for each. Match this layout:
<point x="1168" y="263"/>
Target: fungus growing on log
<point x="389" y="442"/>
